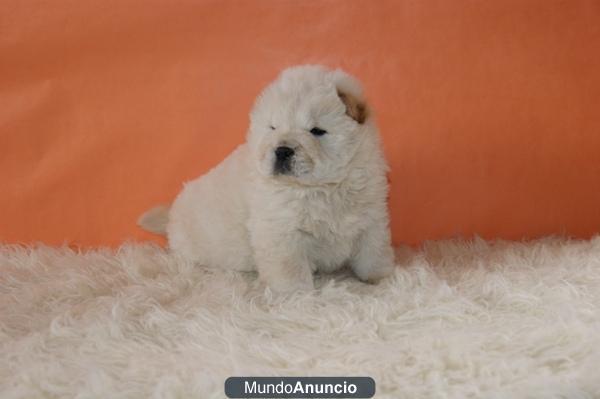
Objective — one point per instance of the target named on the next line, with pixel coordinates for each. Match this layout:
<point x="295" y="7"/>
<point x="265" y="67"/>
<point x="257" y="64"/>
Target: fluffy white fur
<point x="323" y="209"/>
<point x="455" y="320"/>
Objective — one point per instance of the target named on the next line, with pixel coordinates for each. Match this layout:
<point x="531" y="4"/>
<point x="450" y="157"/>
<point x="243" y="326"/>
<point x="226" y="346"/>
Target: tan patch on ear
<point x="354" y="109"/>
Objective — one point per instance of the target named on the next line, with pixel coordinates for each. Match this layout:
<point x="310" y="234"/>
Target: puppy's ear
<point x="355" y="109"/>
<point x="351" y="94"/>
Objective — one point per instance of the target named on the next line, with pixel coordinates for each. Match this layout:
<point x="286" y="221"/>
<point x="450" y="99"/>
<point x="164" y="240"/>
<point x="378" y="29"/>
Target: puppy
<point x="307" y="191"/>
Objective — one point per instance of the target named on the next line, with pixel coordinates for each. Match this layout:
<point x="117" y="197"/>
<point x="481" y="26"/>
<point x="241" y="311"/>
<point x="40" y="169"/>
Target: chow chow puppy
<point x="307" y="191"/>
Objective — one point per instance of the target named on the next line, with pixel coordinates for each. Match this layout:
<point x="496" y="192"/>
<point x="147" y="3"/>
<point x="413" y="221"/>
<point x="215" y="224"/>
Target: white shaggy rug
<point x="457" y="320"/>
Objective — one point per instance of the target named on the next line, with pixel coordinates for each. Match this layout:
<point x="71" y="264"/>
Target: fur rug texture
<point x="458" y="319"/>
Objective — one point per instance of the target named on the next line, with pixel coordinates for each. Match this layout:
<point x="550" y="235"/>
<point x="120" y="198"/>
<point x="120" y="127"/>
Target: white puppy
<point x="306" y="192"/>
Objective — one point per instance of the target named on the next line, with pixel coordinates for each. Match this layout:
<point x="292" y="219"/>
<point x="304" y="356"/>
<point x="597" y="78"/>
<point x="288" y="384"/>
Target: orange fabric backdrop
<point x="490" y="110"/>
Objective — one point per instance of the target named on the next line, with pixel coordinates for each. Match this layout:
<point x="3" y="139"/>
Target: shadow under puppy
<point x="306" y="192"/>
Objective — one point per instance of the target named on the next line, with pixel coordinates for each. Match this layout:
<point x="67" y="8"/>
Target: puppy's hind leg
<point x="374" y="258"/>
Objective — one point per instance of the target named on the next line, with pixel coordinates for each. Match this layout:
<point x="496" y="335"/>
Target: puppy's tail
<point x="155" y="220"/>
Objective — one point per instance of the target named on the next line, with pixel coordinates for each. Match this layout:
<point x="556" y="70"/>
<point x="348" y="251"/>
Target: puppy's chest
<point x="328" y="217"/>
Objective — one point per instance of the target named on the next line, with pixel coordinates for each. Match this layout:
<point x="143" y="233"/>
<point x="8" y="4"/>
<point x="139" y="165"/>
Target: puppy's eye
<point x="272" y="127"/>
<point x="317" y="131"/>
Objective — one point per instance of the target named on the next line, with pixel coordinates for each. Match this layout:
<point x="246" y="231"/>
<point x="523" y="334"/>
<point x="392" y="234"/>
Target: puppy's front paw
<point x="286" y="276"/>
<point x="283" y="285"/>
<point x="373" y="272"/>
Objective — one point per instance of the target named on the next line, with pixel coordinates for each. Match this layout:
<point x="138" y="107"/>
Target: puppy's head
<point x="307" y="125"/>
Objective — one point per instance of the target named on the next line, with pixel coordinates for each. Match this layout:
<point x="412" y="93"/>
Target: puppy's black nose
<point x="283" y="153"/>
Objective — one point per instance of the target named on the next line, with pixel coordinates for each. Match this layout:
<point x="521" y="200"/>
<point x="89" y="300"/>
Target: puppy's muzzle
<point x="283" y="160"/>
